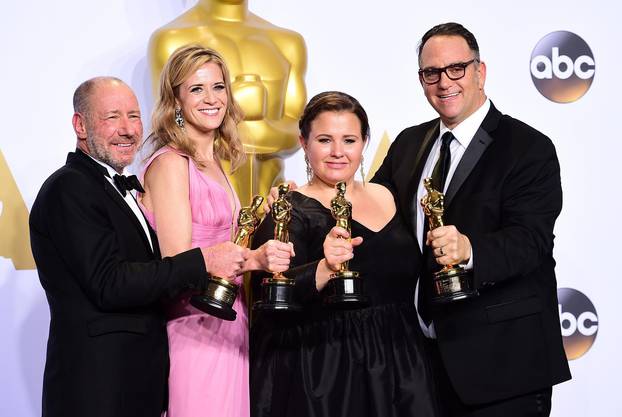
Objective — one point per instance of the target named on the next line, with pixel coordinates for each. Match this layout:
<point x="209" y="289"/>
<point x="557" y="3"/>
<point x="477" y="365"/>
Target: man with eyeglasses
<point x="499" y="352"/>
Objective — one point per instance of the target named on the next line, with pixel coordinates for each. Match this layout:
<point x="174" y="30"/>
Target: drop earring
<point x="179" y="118"/>
<point x="362" y="170"/>
<point x="309" y="169"/>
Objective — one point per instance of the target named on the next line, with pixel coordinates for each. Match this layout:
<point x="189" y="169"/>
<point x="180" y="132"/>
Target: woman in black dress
<point x="325" y="362"/>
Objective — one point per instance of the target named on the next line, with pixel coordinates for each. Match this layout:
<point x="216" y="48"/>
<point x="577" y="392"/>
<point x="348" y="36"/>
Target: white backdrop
<point x="364" y="49"/>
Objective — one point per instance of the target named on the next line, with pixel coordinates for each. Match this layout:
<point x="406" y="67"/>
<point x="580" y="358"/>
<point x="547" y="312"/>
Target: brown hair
<point x="334" y="101"/>
<point x="164" y="131"/>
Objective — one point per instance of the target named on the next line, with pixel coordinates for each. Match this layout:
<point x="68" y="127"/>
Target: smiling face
<point x="111" y="130"/>
<point x="203" y="100"/>
<point x="453" y="100"/>
<point x="334" y="146"/>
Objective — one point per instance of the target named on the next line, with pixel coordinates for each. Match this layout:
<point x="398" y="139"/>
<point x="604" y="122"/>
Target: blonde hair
<point x="164" y="131"/>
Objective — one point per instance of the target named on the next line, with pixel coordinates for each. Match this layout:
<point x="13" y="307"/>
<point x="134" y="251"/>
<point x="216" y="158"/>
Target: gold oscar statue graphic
<point x="345" y="287"/>
<point x="277" y="291"/>
<point x="218" y="297"/>
<point x="267" y="66"/>
<point x="15" y="240"/>
<point x="451" y="283"/>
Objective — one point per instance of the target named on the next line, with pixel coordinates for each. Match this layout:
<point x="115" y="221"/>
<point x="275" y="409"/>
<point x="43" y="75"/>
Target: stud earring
<point x="179" y="118"/>
<point x="309" y="169"/>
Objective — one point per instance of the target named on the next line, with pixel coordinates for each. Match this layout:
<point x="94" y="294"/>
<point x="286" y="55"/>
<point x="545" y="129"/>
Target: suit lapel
<point x="87" y="165"/>
<point x="473" y="153"/>
<point x="419" y="164"/>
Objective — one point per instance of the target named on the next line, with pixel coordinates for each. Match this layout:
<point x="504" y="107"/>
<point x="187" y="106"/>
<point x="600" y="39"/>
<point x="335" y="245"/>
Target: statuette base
<point x="217" y="300"/>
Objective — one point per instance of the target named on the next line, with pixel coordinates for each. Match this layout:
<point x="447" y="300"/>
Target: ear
<point x="482" y="75"/>
<point x="421" y="81"/>
<point x="79" y="125"/>
<point x="303" y="143"/>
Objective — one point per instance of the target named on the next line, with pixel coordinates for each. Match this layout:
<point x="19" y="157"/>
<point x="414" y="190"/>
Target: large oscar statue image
<point x="277" y="291"/>
<point x="218" y="297"/>
<point x="452" y="282"/>
<point x="345" y="288"/>
<point x="267" y="66"/>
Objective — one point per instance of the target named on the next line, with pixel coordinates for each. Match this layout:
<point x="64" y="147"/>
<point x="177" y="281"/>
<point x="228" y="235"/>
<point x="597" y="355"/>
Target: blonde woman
<point x="190" y="202"/>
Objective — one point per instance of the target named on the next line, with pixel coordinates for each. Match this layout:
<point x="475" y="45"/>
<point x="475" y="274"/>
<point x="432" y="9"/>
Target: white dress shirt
<point x="463" y="133"/>
<point x="129" y="199"/>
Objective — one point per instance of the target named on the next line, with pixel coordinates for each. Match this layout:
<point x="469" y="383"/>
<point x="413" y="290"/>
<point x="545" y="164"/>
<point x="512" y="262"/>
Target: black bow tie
<point x="125" y="184"/>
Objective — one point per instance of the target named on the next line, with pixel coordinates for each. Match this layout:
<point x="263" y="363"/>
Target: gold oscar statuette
<point x="218" y="297"/>
<point x="277" y="291"/>
<point x="452" y="282"/>
<point x="345" y="288"/>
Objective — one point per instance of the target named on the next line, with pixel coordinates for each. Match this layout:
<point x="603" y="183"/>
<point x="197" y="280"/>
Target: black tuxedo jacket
<point x="505" y="196"/>
<point x="107" y="351"/>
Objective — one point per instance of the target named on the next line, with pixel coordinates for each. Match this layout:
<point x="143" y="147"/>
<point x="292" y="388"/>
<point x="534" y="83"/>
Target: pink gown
<point x="209" y="356"/>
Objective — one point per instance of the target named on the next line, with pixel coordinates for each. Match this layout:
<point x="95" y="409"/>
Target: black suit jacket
<point x="505" y="195"/>
<point x="107" y="350"/>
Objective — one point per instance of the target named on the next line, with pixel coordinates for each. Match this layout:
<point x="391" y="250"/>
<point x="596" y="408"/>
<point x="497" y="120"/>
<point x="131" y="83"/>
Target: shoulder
<point x="68" y="179"/>
<point x="167" y="160"/>
<point x="302" y="204"/>
<point x="291" y="43"/>
<point x="68" y="187"/>
<point x="415" y="133"/>
<point x="519" y="134"/>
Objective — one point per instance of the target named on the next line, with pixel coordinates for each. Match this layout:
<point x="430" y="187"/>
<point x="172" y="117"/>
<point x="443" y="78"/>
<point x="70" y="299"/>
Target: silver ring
<point x="441" y="250"/>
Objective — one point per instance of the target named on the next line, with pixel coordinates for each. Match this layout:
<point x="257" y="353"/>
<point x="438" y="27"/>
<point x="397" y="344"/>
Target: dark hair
<point x="82" y="95"/>
<point x="334" y="101"/>
<point x="450" y="29"/>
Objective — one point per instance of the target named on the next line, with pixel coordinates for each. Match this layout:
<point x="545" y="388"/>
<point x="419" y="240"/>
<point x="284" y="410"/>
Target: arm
<point x="71" y="223"/>
<point x="531" y="201"/>
<point x="302" y="267"/>
<point x="167" y="183"/>
<point x="521" y="240"/>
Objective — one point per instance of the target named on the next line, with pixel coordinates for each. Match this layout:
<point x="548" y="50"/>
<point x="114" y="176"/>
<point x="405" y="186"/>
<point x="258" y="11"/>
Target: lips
<point x="209" y="112"/>
<point x="448" y="96"/>
<point x="336" y="165"/>
<point x="124" y="146"/>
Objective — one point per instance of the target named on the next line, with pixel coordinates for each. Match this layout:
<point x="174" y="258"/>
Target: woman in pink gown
<point x="190" y="202"/>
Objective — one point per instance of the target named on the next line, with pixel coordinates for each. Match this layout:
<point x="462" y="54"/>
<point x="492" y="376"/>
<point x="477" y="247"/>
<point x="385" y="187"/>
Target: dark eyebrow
<point x="446" y="66"/>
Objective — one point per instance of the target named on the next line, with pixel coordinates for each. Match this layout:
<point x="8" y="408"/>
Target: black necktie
<point x="125" y="184"/>
<point x="439" y="176"/>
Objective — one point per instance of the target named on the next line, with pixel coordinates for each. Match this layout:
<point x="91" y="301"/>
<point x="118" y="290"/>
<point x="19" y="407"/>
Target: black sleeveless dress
<point x="325" y="362"/>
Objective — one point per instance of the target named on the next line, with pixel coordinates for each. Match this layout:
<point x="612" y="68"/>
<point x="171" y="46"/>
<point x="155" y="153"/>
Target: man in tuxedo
<point x="99" y="263"/>
<point x="500" y="352"/>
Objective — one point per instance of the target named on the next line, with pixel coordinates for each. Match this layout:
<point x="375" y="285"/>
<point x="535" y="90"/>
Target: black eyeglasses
<point x="454" y="72"/>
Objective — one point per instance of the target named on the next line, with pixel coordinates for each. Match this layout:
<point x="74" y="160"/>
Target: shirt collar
<point x="466" y="130"/>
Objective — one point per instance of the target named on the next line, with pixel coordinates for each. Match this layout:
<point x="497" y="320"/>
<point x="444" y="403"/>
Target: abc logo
<point x="579" y="321"/>
<point x="562" y="67"/>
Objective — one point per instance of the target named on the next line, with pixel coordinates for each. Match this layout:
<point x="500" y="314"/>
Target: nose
<point x="129" y="127"/>
<point x="336" y="148"/>
<point x="444" y="81"/>
<point x="209" y="97"/>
